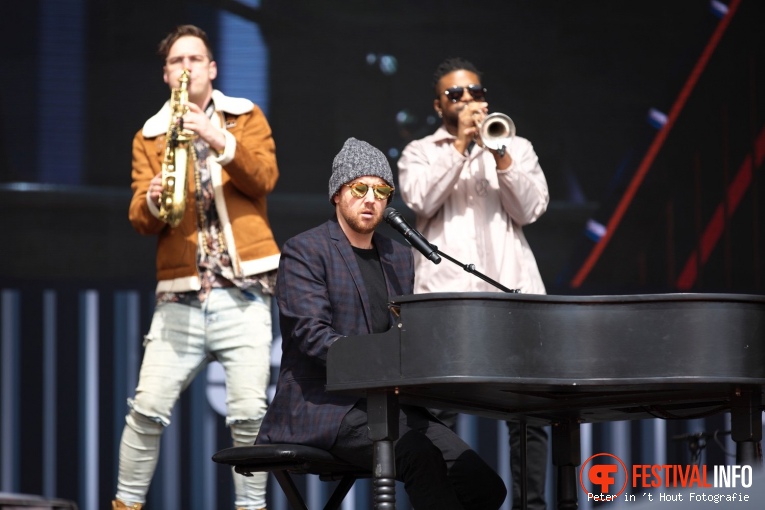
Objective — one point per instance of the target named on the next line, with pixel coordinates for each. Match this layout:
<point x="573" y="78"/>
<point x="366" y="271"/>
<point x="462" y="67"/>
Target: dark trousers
<point x="536" y="460"/>
<point x="438" y="469"/>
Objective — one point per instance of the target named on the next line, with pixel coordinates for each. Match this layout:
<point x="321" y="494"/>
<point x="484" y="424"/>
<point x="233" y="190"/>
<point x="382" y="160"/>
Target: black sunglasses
<point x="477" y="92"/>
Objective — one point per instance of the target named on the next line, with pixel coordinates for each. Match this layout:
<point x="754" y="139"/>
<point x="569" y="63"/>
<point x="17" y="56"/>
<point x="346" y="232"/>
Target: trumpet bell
<point x="496" y="131"/>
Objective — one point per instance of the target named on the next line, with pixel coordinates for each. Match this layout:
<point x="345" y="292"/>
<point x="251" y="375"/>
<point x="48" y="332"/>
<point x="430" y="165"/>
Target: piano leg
<point x="566" y="453"/>
<point x="524" y="465"/>
<point x="746" y="425"/>
<point x="382" y="409"/>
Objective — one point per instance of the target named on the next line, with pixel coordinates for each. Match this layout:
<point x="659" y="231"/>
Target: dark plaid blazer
<point x="321" y="297"/>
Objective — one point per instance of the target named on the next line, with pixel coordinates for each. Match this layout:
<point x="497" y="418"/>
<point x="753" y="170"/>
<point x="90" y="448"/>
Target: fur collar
<point x="157" y="125"/>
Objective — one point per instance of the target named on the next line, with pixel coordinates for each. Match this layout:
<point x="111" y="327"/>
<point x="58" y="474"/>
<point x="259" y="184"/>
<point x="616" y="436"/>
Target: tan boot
<point x="119" y="505"/>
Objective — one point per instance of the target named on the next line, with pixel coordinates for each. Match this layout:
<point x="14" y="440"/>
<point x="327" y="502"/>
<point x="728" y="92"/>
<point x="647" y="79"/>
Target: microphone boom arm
<point x="470" y="268"/>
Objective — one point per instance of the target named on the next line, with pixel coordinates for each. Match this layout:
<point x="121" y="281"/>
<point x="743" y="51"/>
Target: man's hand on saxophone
<point x="155" y="189"/>
<point x="197" y="121"/>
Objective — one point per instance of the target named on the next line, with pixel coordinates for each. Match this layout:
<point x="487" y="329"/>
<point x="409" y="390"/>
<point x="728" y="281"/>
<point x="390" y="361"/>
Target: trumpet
<point x="496" y="130"/>
<point x="179" y="155"/>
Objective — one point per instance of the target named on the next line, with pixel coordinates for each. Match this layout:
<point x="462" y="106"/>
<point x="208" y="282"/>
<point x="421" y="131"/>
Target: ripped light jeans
<point x="232" y="327"/>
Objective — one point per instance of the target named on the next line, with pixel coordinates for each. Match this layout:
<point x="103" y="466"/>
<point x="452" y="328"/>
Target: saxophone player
<point x="216" y="269"/>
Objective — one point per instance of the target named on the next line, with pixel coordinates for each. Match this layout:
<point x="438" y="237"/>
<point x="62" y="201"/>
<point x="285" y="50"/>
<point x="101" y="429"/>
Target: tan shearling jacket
<point x="242" y="176"/>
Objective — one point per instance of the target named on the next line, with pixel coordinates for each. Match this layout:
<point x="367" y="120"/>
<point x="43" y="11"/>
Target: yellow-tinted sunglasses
<point x="360" y="189"/>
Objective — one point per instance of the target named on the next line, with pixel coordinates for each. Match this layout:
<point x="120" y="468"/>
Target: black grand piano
<point x="563" y="361"/>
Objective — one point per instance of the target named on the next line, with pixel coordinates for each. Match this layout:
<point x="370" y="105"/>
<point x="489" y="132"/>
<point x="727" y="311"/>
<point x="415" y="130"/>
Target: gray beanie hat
<point x="356" y="159"/>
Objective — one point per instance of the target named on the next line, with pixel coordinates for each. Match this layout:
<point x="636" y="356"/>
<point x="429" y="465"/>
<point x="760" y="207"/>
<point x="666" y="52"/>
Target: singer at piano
<point x="336" y="280"/>
<point x="472" y="202"/>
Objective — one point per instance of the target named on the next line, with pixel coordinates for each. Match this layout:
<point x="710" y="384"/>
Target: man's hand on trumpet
<point x="469" y="122"/>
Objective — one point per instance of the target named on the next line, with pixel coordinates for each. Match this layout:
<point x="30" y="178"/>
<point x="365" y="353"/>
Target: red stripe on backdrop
<point x="714" y="229"/>
<point x="656" y="145"/>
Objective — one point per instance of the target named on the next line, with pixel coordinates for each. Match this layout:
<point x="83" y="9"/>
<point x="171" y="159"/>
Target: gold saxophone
<point x="179" y="157"/>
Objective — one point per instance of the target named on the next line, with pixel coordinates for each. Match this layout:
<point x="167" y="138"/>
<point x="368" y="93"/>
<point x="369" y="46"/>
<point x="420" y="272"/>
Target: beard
<point x="451" y="117"/>
<point x="359" y="223"/>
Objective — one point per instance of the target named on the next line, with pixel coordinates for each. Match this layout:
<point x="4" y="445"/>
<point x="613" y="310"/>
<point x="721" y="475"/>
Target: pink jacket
<point x="474" y="213"/>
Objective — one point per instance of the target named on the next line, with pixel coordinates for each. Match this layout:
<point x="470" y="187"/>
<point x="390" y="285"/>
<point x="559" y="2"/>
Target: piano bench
<point x="285" y="459"/>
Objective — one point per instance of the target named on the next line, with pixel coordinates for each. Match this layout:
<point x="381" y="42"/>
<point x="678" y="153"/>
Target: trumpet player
<point x="472" y="201"/>
<point x="216" y="269"/>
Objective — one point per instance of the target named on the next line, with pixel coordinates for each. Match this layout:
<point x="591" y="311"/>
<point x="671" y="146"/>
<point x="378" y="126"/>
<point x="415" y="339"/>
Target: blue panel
<point x="242" y="59"/>
<point x="89" y="439"/>
<point x="50" y="375"/>
<point x="9" y="390"/>
<point x="61" y="90"/>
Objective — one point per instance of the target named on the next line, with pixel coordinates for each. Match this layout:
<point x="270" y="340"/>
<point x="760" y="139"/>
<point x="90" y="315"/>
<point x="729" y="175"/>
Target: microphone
<point x="394" y="218"/>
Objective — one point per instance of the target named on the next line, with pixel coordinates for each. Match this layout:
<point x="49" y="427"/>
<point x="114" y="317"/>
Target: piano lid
<point x="558" y="346"/>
